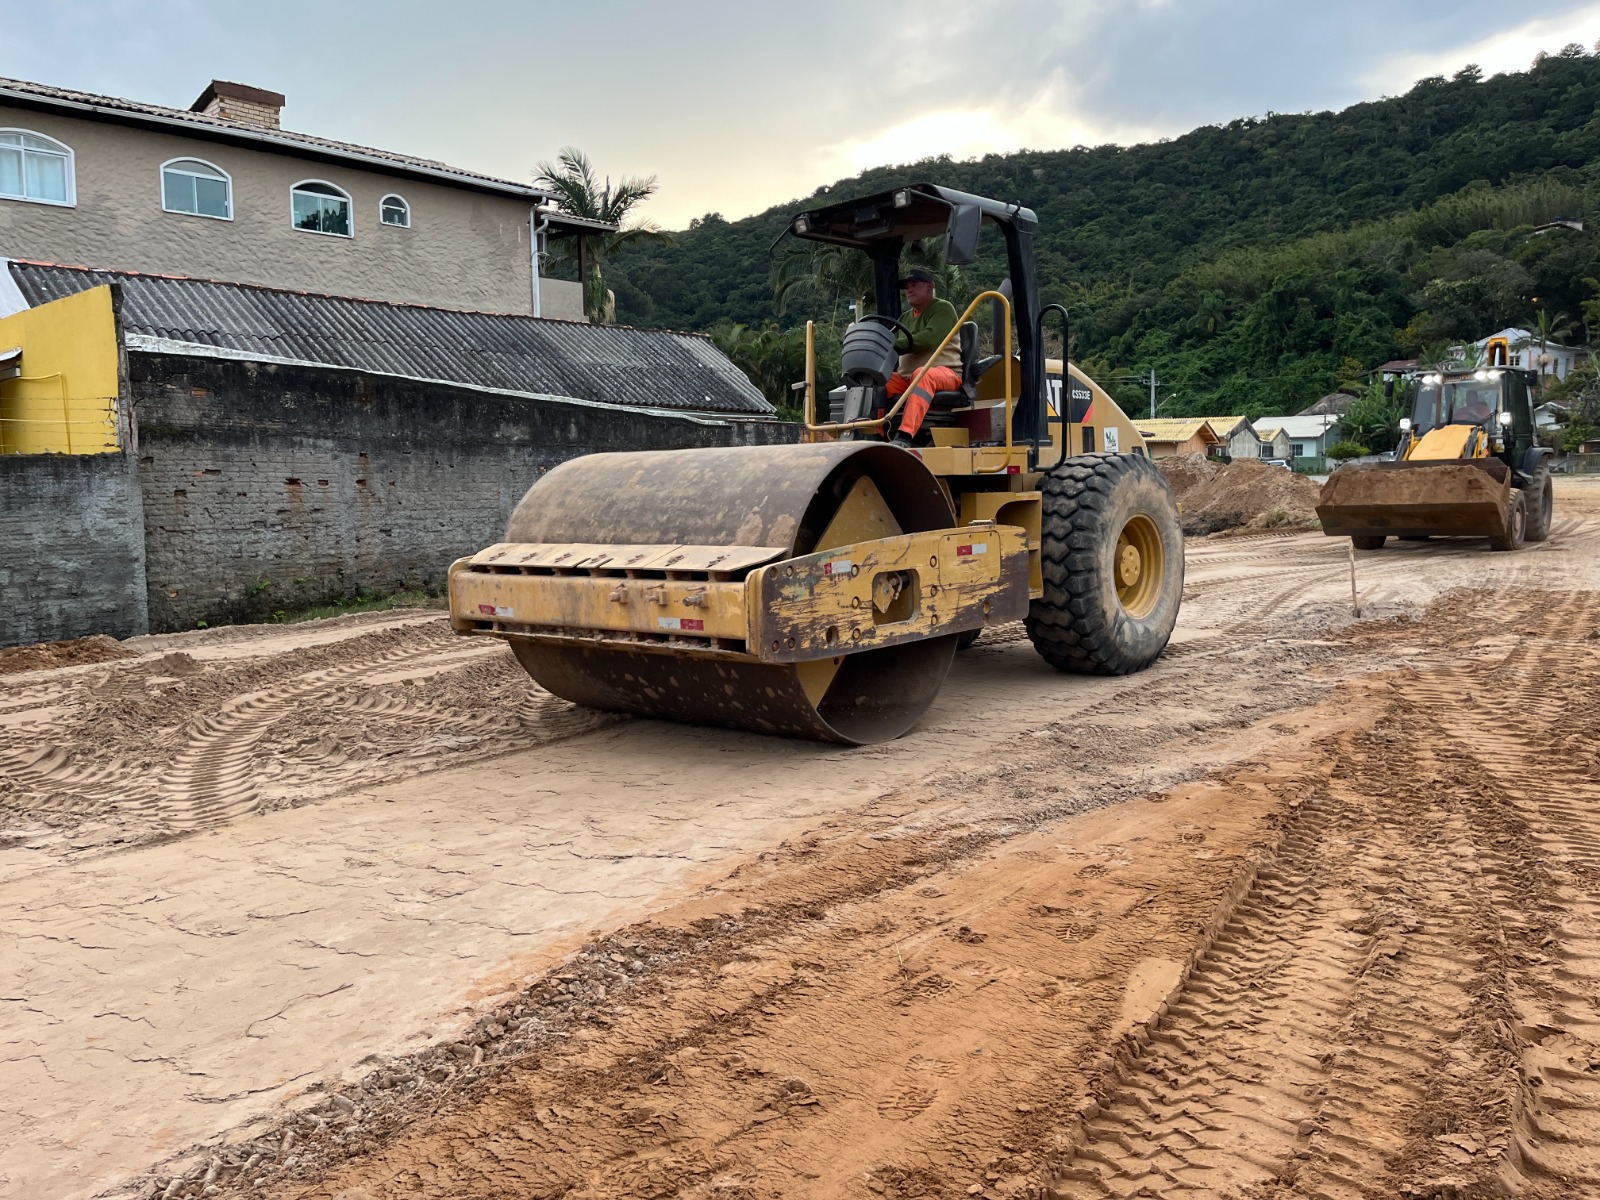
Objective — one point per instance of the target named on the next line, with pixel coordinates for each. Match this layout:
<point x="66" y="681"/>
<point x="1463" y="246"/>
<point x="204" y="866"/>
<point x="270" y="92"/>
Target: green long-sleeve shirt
<point x="927" y="330"/>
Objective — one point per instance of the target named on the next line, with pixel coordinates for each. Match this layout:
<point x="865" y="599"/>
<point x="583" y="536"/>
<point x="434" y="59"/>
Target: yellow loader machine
<point x="1467" y="466"/>
<point x="821" y="590"/>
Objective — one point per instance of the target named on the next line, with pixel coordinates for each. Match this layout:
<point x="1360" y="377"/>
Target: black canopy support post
<point x="886" y="277"/>
<point x="1030" y="421"/>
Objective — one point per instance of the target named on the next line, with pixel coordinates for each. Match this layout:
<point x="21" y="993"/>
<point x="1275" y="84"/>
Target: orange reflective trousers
<point x="934" y="379"/>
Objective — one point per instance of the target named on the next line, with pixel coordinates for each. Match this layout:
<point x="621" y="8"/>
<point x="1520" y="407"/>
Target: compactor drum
<point x="822" y="590"/>
<point x="1467" y="466"/>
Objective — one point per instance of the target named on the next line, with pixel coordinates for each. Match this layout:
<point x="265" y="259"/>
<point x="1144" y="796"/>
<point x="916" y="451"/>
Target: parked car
<point x="1279" y="462"/>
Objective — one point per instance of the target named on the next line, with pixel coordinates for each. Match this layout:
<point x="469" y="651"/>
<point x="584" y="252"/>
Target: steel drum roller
<point x="804" y="499"/>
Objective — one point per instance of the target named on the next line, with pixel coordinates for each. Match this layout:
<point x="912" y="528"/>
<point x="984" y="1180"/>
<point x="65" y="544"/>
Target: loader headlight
<point x="1405" y="424"/>
<point x="1505" y="417"/>
<point x="1433" y="380"/>
<point x="1480" y="376"/>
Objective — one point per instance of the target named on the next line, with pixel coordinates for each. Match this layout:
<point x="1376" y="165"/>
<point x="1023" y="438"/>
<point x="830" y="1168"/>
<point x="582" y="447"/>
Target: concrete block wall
<point x="71" y="548"/>
<point x="270" y="487"/>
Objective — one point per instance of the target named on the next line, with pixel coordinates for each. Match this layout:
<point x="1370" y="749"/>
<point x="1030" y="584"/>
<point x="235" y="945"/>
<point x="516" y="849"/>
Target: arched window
<point x="196" y="187"/>
<point x="37" y="168"/>
<point x="319" y="207"/>
<point x="393" y="210"/>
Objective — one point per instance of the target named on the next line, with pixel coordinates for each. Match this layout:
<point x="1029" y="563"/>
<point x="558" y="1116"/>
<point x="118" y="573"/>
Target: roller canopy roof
<point x="918" y="210"/>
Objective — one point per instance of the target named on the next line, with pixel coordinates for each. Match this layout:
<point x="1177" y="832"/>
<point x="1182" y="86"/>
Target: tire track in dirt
<point x="1348" y="1032"/>
<point x="210" y="779"/>
<point x="1538" y="749"/>
<point x="124" y="757"/>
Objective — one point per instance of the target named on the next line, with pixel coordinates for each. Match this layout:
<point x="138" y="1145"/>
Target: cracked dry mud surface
<point x="353" y="910"/>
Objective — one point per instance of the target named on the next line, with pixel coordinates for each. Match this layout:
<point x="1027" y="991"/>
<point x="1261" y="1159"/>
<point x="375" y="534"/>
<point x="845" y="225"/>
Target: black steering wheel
<point x="892" y="323"/>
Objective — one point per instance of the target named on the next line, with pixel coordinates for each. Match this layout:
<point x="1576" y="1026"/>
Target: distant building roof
<point x="1175" y="429"/>
<point x="1227" y="428"/>
<point x="1396" y="366"/>
<point x="210" y="125"/>
<point x="1332" y="404"/>
<point x="639" y="368"/>
<point x="1302" y="425"/>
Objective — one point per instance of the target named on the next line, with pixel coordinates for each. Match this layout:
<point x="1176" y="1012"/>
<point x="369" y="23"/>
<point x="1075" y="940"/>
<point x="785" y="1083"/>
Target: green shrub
<point x="1344" y="451"/>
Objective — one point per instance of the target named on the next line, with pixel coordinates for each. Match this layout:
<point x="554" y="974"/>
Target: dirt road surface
<point x="353" y="910"/>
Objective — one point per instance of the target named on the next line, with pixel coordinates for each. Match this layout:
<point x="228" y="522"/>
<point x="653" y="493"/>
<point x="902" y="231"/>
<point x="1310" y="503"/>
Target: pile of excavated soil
<point x="46" y="656"/>
<point x="1243" y="494"/>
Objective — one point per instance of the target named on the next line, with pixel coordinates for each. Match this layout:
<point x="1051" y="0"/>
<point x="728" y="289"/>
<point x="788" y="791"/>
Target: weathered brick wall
<point x="269" y="487"/>
<point x="71" y="547"/>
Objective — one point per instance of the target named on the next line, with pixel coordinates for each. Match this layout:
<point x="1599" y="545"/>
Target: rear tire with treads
<point x="1113" y="565"/>
<point x="1368" y="541"/>
<point x="1538" y="499"/>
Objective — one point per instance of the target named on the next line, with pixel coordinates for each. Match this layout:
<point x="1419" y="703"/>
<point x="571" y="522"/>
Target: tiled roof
<point x="213" y="126"/>
<point x="640" y="368"/>
<point x="1173" y="429"/>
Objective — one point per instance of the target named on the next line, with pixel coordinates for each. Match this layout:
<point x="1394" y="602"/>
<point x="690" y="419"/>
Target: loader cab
<point x="1493" y="401"/>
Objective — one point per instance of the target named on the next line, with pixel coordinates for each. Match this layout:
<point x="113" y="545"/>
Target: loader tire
<point x="1539" y="498"/>
<point x="963" y="640"/>
<point x="1516" y="524"/>
<point x="1368" y="541"/>
<point x="1113" y="565"/>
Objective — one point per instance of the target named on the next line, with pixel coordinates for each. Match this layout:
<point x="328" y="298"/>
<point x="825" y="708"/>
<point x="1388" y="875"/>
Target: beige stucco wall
<point x="464" y="249"/>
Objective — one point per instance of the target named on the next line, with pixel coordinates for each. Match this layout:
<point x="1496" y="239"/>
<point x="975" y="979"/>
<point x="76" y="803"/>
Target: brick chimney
<point x="240" y="103"/>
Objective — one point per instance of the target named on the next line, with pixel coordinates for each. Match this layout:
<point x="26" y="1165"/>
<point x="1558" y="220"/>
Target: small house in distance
<point x="1166" y="437"/>
<point x="1238" y="436"/>
<point x="1309" y="436"/>
<point x="1275" y="444"/>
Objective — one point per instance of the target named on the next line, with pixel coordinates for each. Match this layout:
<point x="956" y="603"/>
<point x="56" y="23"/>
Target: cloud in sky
<point x="739" y="106"/>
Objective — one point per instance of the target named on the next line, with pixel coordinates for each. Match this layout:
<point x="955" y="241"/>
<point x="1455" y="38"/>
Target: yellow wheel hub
<point x="1140" y="562"/>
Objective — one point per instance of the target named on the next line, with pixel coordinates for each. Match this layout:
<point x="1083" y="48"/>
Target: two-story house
<point x="222" y="191"/>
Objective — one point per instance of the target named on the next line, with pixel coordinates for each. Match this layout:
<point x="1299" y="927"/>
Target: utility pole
<point x="1152" y="393"/>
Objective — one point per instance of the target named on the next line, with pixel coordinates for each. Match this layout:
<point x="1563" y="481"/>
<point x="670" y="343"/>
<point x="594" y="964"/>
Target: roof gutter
<point x="280" y="145"/>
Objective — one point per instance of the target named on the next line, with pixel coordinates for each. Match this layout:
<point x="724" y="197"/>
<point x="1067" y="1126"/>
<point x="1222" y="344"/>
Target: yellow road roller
<point x="821" y="590"/>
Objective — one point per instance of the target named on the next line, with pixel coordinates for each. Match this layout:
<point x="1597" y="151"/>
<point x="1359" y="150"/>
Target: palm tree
<point x="1547" y="329"/>
<point x="572" y="181"/>
<point x="818" y="271"/>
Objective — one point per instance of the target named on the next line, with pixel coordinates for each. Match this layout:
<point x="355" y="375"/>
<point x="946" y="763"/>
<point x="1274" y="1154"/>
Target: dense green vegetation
<point x="1255" y="265"/>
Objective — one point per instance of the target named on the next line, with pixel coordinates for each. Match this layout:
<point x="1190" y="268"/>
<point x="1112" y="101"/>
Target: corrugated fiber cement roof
<point x="644" y="368"/>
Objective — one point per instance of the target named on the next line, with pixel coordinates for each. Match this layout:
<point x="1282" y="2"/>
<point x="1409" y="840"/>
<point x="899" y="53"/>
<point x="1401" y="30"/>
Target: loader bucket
<point x="1459" y="498"/>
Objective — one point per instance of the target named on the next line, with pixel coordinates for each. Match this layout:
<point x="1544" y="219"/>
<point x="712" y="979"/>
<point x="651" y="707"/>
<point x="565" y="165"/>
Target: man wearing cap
<point x="929" y="320"/>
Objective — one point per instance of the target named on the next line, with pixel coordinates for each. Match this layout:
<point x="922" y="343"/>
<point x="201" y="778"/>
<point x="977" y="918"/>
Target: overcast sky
<point x="738" y="106"/>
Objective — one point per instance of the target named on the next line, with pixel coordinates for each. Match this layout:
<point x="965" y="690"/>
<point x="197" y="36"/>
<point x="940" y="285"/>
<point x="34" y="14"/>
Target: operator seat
<point x="945" y="407"/>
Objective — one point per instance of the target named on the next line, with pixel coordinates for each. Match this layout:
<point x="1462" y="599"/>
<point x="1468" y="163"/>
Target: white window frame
<point x="348" y="199"/>
<point x="72" y="171"/>
<point x="187" y="158"/>
<point x="404" y="203"/>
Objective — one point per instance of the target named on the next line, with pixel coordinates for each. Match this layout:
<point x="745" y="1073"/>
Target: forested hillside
<point x="1254" y="265"/>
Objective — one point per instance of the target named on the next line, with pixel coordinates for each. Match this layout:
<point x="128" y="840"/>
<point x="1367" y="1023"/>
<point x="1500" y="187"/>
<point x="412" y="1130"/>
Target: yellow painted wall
<point x="66" y="400"/>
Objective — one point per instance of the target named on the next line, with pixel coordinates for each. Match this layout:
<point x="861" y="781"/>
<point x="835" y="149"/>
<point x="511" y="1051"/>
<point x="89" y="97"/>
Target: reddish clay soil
<point x="1309" y="909"/>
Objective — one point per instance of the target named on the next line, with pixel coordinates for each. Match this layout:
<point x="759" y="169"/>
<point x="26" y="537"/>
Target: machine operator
<point x="928" y="321"/>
